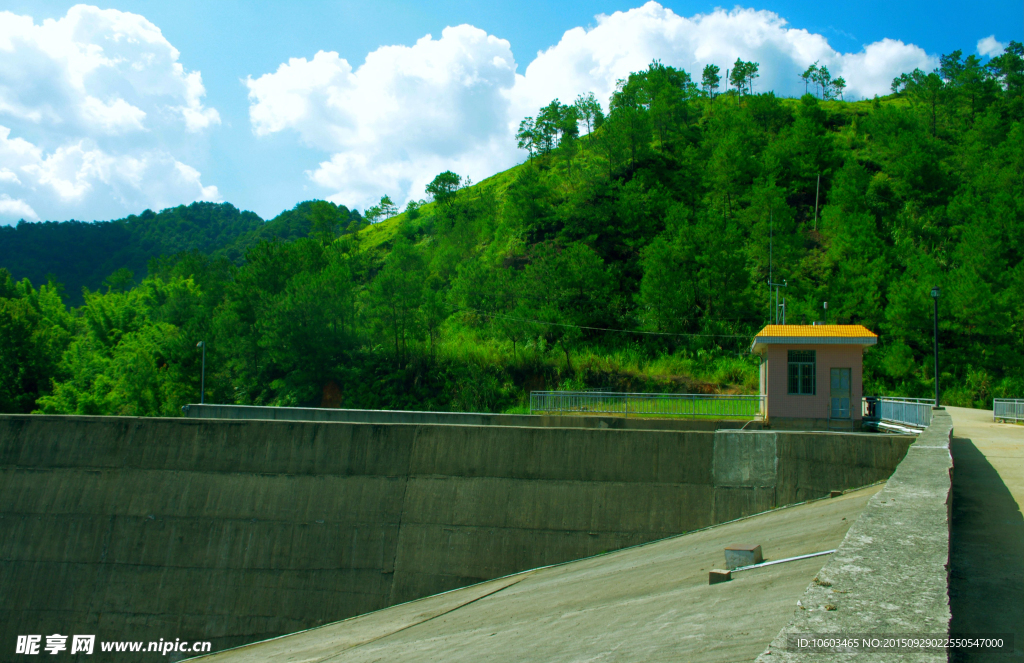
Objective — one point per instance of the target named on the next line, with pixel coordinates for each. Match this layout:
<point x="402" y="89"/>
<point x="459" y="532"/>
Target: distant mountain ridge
<point x="81" y="254"/>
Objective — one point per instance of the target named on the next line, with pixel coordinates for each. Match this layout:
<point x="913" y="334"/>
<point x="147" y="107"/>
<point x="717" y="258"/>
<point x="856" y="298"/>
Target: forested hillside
<point x="82" y="255"/>
<point x="629" y="252"/>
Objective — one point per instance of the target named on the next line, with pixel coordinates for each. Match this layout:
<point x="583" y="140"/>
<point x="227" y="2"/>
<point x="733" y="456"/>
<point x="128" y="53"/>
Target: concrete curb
<point x="890" y="575"/>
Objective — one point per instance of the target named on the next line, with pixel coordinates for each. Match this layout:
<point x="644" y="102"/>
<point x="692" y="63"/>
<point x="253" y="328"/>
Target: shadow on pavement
<point x="986" y="584"/>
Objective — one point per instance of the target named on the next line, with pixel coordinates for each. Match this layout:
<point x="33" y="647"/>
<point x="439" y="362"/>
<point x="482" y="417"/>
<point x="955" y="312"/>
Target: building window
<point x="801" y="372"/>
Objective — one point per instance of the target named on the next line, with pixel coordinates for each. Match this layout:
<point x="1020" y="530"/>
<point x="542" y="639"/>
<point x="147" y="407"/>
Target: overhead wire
<point x="607" y="329"/>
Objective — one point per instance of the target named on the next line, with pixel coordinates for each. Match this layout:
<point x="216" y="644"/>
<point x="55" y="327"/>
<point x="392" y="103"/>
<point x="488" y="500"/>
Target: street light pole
<point x="202" y="379"/>
<point x="935" y="298"/>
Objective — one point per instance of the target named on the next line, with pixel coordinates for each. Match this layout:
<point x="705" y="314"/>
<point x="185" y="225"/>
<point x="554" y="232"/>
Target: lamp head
<point x="935" y="292"/>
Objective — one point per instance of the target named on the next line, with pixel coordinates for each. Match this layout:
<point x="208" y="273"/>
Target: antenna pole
<point x="770" y="219"/>
<point x="771" y="283"/>
<point x="816" y="192"/>
<point x="784" y="284"/>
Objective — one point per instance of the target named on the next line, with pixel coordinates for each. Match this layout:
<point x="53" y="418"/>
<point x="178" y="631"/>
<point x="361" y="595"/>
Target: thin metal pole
<point x="780" y="561"/>
<point x="936" y="340"/>
<point x="771" y="213"/>
<point x="816" y="192"/>
<point x="202" y="380"/>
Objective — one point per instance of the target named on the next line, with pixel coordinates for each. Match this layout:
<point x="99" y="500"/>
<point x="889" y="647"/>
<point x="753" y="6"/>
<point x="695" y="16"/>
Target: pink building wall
<point x="775" y="376"/>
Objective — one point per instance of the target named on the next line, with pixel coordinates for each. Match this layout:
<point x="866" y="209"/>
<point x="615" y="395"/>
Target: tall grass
<point x="483" y="375"/>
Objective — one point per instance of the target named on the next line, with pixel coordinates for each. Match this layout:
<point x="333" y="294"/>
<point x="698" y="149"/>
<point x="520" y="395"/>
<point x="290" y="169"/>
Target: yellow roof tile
<point x="812" y="335"/>
<point x="817" y="331"/>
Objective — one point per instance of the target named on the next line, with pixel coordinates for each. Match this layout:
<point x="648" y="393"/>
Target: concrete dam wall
<point x="235" y="531"/>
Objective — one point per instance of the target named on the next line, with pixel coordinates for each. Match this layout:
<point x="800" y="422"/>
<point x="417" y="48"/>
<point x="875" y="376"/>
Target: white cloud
<point x="594" y="59"/>
<point x="990" y="47"/>
<point x="454" y="103"/>
<point x="95" y="105"/>
<point x="115" y="117"/>
<point x="404" y="115"/>
<point x="196" y="116"/>
<point x="96" y="67"/>
<point x="872" y="70"/>
<point x="79" y="178"/>
<point x="16" y="209"/>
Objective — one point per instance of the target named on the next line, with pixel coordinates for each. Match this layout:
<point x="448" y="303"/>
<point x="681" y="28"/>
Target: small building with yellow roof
<point x="811" y="375"/>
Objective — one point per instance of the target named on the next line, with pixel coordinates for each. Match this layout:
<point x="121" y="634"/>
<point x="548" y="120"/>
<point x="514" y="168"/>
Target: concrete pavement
<point x="650" y="603"/>
<point x="1001" y="444"/>
<point x="986" y="584"/>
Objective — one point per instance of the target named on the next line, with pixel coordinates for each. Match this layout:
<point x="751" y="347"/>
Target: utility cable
<point x="607" y="329"/>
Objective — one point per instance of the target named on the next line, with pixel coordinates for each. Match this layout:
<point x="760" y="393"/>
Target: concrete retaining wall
<point x="458" y="418"/>
<point x="889" y="576"/>
<point x="234" y="531"/>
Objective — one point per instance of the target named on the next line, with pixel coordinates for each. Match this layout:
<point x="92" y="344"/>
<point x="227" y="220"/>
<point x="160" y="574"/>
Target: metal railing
<point x="668" y="405"/>
<point x="1008" y="409"/>
<point x="914" y="412"/>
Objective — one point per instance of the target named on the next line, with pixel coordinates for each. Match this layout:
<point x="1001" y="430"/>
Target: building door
<point x="840" y="393"/>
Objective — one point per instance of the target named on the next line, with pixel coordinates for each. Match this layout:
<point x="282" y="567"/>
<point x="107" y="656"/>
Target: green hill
<point x="635" y="257"/>
<point x="82" y="255"/>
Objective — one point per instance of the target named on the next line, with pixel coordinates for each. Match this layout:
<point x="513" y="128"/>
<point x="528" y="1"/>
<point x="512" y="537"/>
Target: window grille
<point x="802" y="372"/>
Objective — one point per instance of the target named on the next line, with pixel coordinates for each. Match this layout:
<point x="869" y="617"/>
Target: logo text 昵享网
<point x="86" y="644"/>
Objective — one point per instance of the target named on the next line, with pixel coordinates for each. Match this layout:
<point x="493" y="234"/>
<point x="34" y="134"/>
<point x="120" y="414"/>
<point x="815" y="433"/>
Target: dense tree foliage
<point x="629" y="252"/>
<point x="81" y="255"/>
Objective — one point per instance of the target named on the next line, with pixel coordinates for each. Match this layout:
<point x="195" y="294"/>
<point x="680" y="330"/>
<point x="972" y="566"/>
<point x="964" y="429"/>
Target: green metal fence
<point x="719" y="406"/>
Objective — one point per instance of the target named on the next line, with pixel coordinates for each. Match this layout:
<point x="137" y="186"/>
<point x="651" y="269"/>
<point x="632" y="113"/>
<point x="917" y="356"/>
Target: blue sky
<point x="197" y="100"/>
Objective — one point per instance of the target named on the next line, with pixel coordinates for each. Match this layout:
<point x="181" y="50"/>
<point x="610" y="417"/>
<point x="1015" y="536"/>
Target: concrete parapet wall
<point x="810" y="464"/>
<point x="808" y="424"/>
<point x="234" y="531"/>
<point x="460" y="418"/>
<point x="889" y="576"/>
